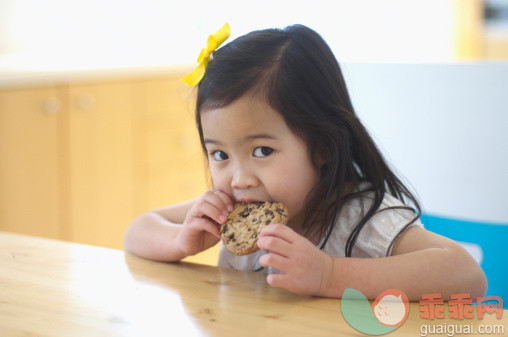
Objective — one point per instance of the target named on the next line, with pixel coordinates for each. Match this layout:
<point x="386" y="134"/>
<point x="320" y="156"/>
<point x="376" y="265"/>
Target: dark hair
<point x="300" y="78"/>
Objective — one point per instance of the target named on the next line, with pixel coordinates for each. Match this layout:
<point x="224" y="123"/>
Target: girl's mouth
<point x="249" y="200"/>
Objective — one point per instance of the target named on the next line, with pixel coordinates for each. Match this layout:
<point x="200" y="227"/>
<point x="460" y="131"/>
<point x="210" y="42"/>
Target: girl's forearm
<point x="446" y="271"/>
<point x="153" y="237"/>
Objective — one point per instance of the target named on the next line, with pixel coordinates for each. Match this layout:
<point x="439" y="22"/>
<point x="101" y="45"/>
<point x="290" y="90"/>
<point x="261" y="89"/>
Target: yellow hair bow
<point x="214" y="41"/>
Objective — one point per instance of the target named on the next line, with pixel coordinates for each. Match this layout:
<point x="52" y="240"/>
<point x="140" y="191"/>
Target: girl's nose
<point x="243" y="179"/>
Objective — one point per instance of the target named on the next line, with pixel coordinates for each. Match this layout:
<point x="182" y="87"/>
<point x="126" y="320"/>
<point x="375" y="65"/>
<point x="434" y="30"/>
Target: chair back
<point x="486" y="242"/>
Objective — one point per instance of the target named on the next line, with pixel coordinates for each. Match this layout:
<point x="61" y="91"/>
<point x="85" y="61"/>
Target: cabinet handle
<point x="52" y="105"/>
<point x="85" y="101"/>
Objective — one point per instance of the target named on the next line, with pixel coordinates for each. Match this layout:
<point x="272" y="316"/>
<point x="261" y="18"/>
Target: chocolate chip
<point x="245" y="212"/>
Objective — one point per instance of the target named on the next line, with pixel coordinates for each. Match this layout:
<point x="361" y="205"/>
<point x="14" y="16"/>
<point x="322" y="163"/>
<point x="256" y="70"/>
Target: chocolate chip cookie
<point x="240" y="231"/>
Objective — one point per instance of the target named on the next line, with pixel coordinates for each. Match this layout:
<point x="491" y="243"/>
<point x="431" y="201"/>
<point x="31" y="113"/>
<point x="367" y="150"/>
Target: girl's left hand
<point x="305" y="269"/>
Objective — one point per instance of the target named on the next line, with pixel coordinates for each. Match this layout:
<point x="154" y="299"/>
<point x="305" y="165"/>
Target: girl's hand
<point x="305" y="269"/>
<point x="200" y="229"/>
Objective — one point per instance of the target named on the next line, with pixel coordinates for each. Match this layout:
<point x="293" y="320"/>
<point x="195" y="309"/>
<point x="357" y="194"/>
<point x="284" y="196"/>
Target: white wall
<point x="62" y="34"/>
<point x="445" y="128"/>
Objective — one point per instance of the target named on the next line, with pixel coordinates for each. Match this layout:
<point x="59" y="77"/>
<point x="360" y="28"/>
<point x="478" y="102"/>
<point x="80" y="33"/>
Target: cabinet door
<point x="29" y="153"/>
<point x="170" y="166"/>
<point x="101" y="161"/>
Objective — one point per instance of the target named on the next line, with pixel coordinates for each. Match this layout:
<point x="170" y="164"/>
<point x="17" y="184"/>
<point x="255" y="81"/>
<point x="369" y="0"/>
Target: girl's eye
<point x="262" y="151"/>
<point x="219" y="155"/>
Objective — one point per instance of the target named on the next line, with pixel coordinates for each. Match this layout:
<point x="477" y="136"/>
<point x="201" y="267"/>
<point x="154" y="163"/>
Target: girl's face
<point x="254" y="156"/>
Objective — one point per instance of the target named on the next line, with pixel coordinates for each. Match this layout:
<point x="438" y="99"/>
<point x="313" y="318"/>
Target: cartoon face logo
<point x="387" y="313"/>
<point x="391" y="307"/>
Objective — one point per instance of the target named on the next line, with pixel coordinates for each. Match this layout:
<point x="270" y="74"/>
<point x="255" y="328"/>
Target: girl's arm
<point x="174" y="232"/>
<point x="151" y="234"/>
<point x="421" y="263"/>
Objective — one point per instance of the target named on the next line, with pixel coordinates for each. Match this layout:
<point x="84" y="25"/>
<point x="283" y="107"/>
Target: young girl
<point x="277" y="124"/>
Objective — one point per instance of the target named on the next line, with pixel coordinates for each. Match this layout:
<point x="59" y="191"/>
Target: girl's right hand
<point x="200" y="229"/>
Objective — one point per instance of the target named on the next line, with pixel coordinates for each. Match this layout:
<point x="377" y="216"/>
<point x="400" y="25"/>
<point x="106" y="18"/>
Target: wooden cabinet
<point x="100" y="165"/>
<point x="67" y="162"/>
<point x="169" y="163"/>
<point x="79" y="161"/>
<point x="29" y="162"/>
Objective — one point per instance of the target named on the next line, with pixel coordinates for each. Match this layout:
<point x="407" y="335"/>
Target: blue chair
<point x="487" y="243"/>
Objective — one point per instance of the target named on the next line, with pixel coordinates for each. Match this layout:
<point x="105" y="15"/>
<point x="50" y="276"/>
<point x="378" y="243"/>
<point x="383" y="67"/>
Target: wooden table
<point x="54" y="288"/>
